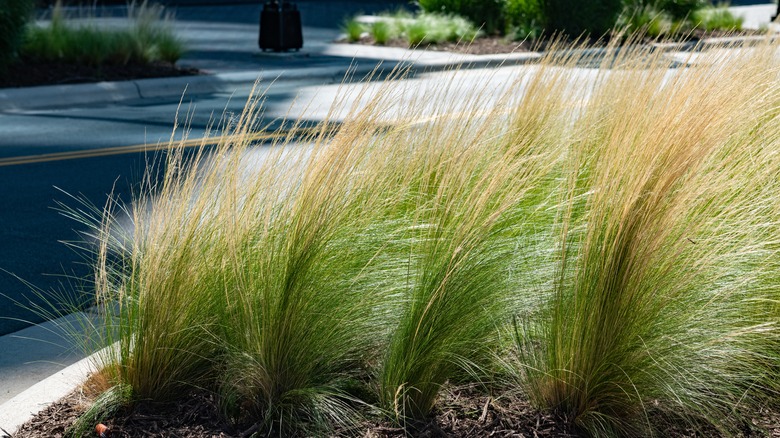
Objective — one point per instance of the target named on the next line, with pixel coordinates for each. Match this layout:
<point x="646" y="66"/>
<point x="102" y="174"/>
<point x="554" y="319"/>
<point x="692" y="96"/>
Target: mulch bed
<point x="481" y="46"/>
<point x="494" y="45"/>
<point x="196" y="417"/>
<point x="463" y="412"/>
<point x="27" y="73"/>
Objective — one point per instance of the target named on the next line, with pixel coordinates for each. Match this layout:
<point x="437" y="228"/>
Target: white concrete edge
<point x="21" y="408"/>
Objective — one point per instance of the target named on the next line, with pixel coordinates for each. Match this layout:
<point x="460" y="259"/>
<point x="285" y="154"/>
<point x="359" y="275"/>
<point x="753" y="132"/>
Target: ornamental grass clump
<point x="667" y="250"/>
<point x="147" y="38"/>
<point x="311" y="281"/>
<point x="476" y="202"/>
<point x="621" y="221"/>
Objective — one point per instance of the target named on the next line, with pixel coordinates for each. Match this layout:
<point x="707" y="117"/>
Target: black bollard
<point x="280" y="27"/>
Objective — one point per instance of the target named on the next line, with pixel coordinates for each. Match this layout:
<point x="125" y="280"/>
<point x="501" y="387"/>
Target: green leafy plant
<point x="486" y="14"/>
<point x="525" y="18"/>
<point x="381" y="31"/>
<point x="716" y="18"/>
<point x="354" y="30"/>
<point x="14" y="16"/>
<point x="645" y="20"/>
<point x="681" y="9"/>
<point x="575" y="18"/>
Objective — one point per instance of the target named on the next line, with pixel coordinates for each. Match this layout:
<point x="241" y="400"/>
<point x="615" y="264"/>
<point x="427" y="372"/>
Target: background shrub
<point x="680" y="9"/>
<point x="353" y="29"/>
<point x="524" y="18"/>
<point x="574" y="17"/>
<point x="712" y="18"/>
<point x="646" y="19"/>
<point x="148" y="38"/>
<point x="437" y="28"/>
<point x="14" y="15"/>
<point x="381" y="32"/>
<point x="487" y="14"/>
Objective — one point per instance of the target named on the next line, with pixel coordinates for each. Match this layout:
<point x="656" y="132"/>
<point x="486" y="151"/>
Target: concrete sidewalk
<point x="223" y="43"/>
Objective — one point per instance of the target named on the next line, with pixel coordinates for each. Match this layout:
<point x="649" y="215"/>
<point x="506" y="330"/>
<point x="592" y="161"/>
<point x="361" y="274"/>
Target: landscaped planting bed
<point x="69" y="49"/>
<point x="591" y="252"/>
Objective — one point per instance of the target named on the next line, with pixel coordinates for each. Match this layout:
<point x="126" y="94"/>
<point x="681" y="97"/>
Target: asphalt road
<point x="48" y="157"/>
<point x="62" y="156"/>
<point x="69" y="157"/>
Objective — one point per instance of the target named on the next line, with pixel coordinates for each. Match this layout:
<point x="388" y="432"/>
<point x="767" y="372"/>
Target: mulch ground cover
<point x="460" y="413"/>
<point x="494" y="45"/>
<point x="480" y="46"/>
<point x="28" y="72"/>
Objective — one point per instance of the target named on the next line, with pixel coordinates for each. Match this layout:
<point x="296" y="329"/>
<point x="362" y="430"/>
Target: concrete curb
<point x="20" y="409"/>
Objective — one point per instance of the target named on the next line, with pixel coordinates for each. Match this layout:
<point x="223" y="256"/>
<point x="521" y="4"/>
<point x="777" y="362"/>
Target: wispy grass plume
<point x="661" y="250"/>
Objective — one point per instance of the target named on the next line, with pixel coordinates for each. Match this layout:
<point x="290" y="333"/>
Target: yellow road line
<point x="149" y="147"/>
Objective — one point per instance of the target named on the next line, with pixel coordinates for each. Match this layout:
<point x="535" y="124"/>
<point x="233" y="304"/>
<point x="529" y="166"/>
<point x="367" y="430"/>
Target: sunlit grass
<point x="664" y="250"/>
<point x="620" y="222"/>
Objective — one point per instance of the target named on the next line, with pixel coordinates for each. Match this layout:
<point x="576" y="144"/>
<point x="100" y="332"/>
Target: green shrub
<point x="486" y="14"/>
<point x="14" y="16"/>
<point x="416" y="33"/>
<point x="680" y="9"/>
<point x="716" y="18"/>
<point x="381" y="31"/>
<point x="354" y="30"/>
<point x="575" y="18"/>
<point x="428" y="28"/>
<point x="646" y="20"/>
<point x="524" y="18"/>
<point x="148" y="38"/>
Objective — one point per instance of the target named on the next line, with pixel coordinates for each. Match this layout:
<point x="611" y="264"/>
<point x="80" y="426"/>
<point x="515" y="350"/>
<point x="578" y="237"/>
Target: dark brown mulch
<point x="463" y="412"/>
<point x="467" y="412"/>
<point x="53" y="421"/>
<point x="480" y="46"/>
<point x="195" y="417"/>
<point x="494" y="45"/>
<point x="27" y="73"/>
